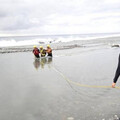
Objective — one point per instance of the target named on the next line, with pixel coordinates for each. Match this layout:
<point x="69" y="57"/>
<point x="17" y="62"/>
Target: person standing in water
<point x="42" y="51"/>
<point x="49" y="51"/>
<point x="36" y="52"/>
<point x="117" y="74"/>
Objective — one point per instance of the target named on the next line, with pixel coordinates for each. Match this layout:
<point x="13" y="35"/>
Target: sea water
<point x="16" y="43"/>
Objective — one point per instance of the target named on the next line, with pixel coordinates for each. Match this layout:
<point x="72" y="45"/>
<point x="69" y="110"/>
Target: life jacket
<point x="43" y="52"/>
<point x="36" y="51"/>
<point x="49" y="50"/>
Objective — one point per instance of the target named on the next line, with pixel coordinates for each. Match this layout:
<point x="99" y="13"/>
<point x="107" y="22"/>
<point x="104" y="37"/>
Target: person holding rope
<point x="117" y="74"/>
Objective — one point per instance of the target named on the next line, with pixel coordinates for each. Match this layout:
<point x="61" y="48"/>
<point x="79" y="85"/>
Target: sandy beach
<point x="33" y="89"/>
<point x="82" y="37"/>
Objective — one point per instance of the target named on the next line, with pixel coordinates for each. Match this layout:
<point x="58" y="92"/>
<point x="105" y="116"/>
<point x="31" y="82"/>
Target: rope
<point x="81" y="85"/>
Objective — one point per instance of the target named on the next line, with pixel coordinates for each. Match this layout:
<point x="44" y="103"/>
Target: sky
<point x="46" y="17"/>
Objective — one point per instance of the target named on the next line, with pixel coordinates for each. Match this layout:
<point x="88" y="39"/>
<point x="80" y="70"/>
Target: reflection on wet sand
<point x="36" y="63"/>
<point x="42" y="62"/>
<point x="49" y="61"/>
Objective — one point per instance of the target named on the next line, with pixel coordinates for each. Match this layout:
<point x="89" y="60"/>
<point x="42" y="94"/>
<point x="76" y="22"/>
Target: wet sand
<point x="32" y="89"/>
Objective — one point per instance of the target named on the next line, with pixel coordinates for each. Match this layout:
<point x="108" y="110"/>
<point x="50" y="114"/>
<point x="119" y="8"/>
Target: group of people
<point x="42" y="52"/>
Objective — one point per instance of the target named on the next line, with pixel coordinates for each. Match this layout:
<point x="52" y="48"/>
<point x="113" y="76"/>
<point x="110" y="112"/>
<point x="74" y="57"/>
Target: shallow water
<point x="31" y="89"/>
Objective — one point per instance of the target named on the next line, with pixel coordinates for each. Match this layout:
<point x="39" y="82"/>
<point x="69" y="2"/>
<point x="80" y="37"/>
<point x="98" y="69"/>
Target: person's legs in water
<point x="50" y="54"/>
<point x="117" y="74"/>
<point x="37" y="56"/>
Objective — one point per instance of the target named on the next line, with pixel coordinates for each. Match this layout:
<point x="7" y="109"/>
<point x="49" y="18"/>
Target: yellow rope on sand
<point x="82" y="85"/>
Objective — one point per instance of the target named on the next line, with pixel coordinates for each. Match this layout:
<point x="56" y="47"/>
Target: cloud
<point x="59" y="16"/>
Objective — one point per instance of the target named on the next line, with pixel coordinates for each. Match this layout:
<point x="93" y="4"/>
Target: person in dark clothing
<point x="36" y="52"/>
<point x="117" y="74"/>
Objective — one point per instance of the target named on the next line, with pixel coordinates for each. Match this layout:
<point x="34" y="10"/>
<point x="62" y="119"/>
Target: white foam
<point x="39" y="40"/>
<point x="6" y="43"/>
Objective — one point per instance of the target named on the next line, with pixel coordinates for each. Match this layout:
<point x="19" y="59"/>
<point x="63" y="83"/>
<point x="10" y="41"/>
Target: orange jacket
<point x="49" y="50"/>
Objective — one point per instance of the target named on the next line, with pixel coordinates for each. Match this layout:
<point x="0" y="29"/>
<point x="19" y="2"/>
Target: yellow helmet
<point x="34" y="46"/>
<point x="48" y="45"/>
<point x="41" y="46"/>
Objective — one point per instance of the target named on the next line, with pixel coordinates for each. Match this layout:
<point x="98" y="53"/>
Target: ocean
<point x="10" y="44"/>
<point x="75" y="82"/>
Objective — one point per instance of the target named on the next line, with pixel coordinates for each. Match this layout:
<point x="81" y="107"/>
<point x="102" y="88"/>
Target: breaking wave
<point x="37" y="40"/>
<point x="57" y="42"/>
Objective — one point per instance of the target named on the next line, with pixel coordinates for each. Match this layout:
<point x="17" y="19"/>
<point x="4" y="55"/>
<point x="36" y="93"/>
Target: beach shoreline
<point x="108" y="42"/>
<point x="35" y="90"/>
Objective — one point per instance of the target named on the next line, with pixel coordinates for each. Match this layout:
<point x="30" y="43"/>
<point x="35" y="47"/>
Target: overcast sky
<point x="59" y="16"/>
